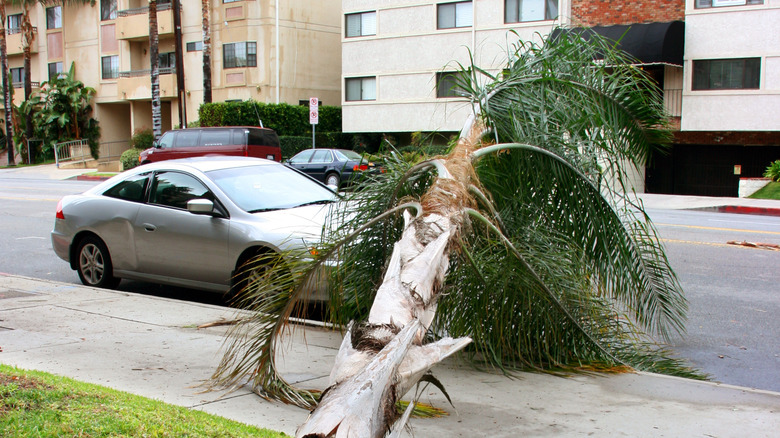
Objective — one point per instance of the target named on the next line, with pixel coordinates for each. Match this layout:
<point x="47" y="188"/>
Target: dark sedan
<point x="331" y="166"/>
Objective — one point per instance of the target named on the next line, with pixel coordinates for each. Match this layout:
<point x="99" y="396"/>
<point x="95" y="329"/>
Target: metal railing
<point x="112" y="150"/>
<point x="144" y="10"/>
<point x="147" y="72"/>
<point x="72" y="151"/>
<point x="34" y="84"/>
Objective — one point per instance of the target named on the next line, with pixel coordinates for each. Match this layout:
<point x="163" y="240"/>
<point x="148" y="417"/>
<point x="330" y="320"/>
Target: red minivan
<point x="246" y="141"/>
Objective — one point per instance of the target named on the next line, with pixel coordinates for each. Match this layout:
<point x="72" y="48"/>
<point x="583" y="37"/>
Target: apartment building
<point x="397" y="54"/>
<point x="730" y="121"/>
<point x="268" y="51"/>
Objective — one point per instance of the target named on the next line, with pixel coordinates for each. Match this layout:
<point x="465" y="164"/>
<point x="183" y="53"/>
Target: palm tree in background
<point x="154" y="62"/>
<point x="7" y="86"/>
<point x="524" y="238"/>
<point x="206" y="49"/>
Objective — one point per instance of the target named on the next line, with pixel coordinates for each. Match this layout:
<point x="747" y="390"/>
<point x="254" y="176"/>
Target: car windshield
<point x="349" y="155"/>
<point x="266" y="188"/>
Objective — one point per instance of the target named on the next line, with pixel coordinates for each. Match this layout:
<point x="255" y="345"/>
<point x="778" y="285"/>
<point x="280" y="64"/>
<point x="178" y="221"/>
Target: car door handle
<point x="150" y="227"/>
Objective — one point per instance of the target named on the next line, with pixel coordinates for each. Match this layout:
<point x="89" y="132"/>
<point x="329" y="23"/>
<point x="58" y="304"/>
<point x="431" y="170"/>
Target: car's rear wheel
<point x="332" y="179"/>
<point x="94" y="264"/>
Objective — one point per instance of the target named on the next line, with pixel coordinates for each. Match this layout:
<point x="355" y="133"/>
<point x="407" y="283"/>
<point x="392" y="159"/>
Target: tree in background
<point x="206" y="50"/>
<point x="7" y="86"/>
<point x="62" y="112"/>
<point x="154" y="62"/>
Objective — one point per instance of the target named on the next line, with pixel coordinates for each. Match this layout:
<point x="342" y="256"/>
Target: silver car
<point x="190" y="223"/>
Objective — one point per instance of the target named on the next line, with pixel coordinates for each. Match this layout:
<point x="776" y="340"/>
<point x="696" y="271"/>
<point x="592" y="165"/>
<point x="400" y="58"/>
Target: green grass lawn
<point x="43" y="405"/>
<point x="769" y="191"/>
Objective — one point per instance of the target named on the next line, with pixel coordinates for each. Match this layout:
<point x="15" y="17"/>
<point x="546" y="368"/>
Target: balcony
<point x="14" y="42"/>
<point x="133" y="24"/>
<point x="19" y="91"/>
<point x="137" y="84"/>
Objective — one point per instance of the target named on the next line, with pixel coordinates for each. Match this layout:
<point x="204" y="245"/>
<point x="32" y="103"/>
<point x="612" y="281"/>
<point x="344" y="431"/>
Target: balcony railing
<point x="143" y="10"/>
<point x="21" y="84"/>
<point x="147" y="72"/>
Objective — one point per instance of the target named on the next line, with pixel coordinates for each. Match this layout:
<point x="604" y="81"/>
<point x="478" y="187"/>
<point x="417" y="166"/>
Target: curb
<point x="742" y="209"/>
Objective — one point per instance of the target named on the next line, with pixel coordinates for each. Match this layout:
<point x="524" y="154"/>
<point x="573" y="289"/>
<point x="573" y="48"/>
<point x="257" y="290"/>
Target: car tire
<point x="248" y="270"/>
<point x="332" y="179"/>
<point x="94" y="264"/>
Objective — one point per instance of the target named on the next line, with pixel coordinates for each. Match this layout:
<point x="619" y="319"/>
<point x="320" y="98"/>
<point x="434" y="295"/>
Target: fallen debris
<point x="759" y="245"/>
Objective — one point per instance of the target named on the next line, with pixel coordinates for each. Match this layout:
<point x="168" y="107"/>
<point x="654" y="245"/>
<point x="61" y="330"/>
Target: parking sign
<point x="314" y="110"/>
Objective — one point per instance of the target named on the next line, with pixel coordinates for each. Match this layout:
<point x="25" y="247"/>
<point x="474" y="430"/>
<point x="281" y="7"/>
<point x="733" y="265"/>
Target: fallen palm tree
<point x="520" y="238"/>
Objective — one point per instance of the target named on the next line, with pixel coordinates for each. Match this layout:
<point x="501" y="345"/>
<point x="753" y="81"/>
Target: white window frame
<point x="364" y="86"/>
<point x="360" y="24"/>
<point x="514" y="10"/>
<point x="461" y="13"/>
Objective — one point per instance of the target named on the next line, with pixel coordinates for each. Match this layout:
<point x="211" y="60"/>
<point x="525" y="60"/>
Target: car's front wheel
<point x="94" y="264"/>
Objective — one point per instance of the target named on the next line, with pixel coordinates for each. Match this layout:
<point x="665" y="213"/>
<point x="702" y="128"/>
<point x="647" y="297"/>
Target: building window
<point x="17" y="76"/>
<point x="239" y="55"/>
<point x="55" y="70"/>
<point x="362" y="24"/>
<point x="230" y="1"/>
<point x="702" y="4"/>
<point x="167" y="60"/>
<point x="360" y="88"/>
<point x="110" y="66"/>
<point x="518" y="11"/>
<point x="447" y="85"/>
<point x="14" y="23"/>
<point x="726" y="74"/>
<point x="195" y="46"/>
<point x="450" y="15"/>
<point x="107" y="10"/>
<point x="54" y="17"/>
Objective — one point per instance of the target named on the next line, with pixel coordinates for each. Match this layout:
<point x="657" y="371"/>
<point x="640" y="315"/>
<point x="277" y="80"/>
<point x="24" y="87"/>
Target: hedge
<point x="285" y="119"/>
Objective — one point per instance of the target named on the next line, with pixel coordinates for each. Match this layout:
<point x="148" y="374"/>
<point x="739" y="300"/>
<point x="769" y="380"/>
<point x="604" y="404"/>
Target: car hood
<point x="308" y="222"/>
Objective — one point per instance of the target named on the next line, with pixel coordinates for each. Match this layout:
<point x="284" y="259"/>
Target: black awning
<point x="650" y="43"/>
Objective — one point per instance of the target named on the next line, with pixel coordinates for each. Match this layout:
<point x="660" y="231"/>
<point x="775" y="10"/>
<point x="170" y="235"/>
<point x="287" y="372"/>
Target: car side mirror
<point x="202" y="206"/>
<point x="157" y="144"/>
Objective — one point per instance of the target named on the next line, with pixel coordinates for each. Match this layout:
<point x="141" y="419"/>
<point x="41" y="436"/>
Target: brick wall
<point x="588" y="13"/>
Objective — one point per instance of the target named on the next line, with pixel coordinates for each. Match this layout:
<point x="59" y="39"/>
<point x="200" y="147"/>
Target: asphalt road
<point x="732" y="290"/>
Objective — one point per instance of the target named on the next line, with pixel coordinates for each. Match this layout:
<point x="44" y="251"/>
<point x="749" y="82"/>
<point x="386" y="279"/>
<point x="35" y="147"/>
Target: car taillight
<point x="60" y="214"/>
<point x="360" y="167"/>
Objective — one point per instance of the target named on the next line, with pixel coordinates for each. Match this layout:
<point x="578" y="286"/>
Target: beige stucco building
<point x="268" y="51"/>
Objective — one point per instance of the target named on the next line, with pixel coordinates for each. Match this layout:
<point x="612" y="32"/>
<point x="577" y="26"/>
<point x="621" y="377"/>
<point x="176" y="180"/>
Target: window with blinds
<point x="361" y="24"/>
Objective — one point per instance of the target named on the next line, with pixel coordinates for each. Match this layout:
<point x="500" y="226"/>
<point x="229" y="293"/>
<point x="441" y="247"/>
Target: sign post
<point x="314" y="117"/>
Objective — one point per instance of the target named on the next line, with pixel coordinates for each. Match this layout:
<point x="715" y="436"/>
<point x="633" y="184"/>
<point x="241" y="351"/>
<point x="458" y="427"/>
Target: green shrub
<point x="773" y="171"/>
<point x="129" y="158"/>
<point x="142" y="139"/>
<point x="291" y="145"/>
<point x="285" y="119"/>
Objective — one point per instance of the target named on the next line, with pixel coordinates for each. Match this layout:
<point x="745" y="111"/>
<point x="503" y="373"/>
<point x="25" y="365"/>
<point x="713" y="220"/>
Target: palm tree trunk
<point x="206" y="48"/>
<point x="154" y="61"/>
<point x="406" y="301"/>
<point x="29" y="37"/>
<point x="8" y="105"/>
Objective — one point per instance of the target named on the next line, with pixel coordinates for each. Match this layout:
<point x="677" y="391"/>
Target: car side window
<point x="302" y="157"/>
<point x="175" y="189"/>
<point x="130" y="189"/>
<point x="215" y="137"/>
<point x="321" y="156"/>
<point x="239" y="137"/>
<point x="166" y="141"/>
<point x="187" y="138"/>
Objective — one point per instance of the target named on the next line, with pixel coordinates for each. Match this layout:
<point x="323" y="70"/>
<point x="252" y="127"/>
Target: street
<point x="732" y="290"/>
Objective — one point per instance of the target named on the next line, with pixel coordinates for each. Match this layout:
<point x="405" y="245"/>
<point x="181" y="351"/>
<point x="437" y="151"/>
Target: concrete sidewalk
<point x="152" y="347"/>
